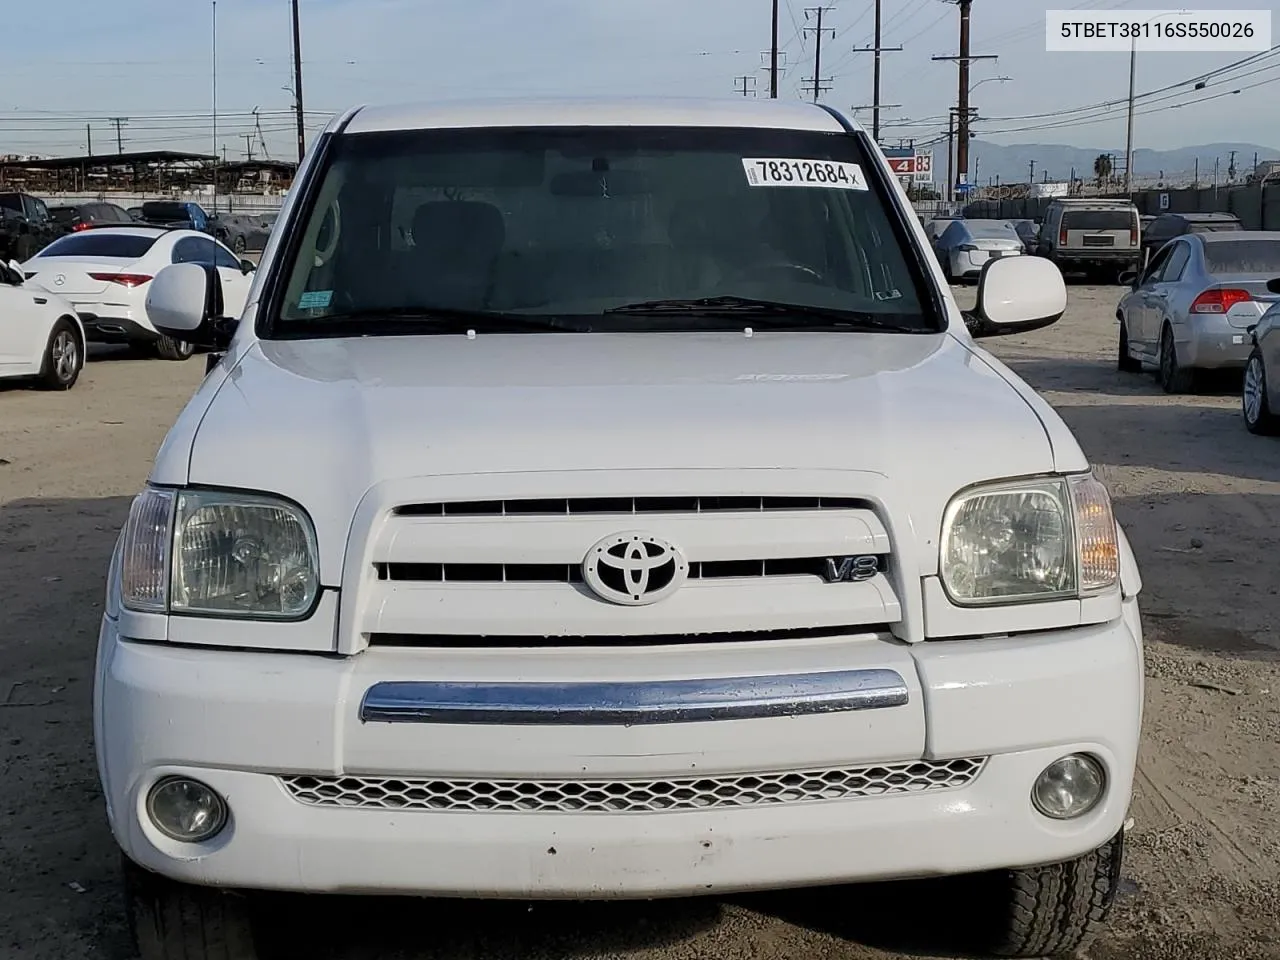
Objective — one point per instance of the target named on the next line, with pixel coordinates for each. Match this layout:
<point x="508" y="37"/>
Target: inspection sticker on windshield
<point x="315" y="300"/>
<point x="783" y="172"/>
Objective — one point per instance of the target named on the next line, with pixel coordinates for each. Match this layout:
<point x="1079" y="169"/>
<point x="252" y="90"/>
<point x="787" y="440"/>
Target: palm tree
<point x="1102" y="168"/>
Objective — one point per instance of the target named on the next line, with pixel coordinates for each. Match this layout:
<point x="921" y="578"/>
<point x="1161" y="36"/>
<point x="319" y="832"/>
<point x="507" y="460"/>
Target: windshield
<point x="1215" y="226"/>
<point x="95" y="243"/>
<point x="1098" y="220"/>
<point x="160" y="210"/>
<point x="991" y="230"/>
<point x="598" y="229"/>
<point x="1243" y="256"/>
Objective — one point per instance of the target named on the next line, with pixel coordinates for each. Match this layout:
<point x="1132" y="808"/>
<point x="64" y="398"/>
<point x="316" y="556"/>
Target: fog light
<point x="185" y="809"/>
<point x="1069" y="787"/>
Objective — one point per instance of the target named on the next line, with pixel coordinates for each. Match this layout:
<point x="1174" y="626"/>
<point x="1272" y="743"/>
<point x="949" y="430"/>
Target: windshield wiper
<point x="768" y="314"/>
<point x="392" y="320"/>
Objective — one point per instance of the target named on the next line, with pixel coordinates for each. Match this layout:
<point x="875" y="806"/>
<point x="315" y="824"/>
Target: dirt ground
<point x="1199" y="497"/>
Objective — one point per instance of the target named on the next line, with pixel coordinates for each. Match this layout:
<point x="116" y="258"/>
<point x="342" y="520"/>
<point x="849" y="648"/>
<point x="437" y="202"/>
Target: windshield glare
<point x="573" y="223"/>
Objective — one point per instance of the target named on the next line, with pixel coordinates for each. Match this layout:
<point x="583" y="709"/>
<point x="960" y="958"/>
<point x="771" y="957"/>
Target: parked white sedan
<point x="104" y="273"/>
<point x="40" y="335"/>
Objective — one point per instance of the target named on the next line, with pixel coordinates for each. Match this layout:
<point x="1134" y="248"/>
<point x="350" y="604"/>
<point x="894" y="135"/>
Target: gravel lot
<point x="1199" y="497"/>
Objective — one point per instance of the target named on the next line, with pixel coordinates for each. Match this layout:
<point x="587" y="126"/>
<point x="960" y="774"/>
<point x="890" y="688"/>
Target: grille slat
<point x="626" y="506"/>
<point x="572" y="572"/>
<point x="633" y="796"/>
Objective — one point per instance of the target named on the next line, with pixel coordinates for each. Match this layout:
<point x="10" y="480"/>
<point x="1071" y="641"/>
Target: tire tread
<point x="1056" y="910"/>
<point x="174" y="921"/>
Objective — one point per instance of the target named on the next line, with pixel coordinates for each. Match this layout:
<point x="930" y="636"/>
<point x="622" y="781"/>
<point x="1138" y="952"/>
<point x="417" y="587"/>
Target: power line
<point x="1245" y="61"/>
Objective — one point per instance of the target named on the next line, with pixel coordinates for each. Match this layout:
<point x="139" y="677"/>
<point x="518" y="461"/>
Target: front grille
<point x="624" y="506"/>
<point x="572" y="572"/>
<point x="633" y="796"/>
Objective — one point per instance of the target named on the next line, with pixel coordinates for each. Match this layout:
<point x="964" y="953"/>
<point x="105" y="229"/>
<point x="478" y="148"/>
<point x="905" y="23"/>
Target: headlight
<point x="219" y="554"/>
<point x="1049" y="539"/>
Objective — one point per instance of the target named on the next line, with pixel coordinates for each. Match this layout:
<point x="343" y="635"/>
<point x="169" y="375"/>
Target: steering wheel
<point x="797" y="271"/>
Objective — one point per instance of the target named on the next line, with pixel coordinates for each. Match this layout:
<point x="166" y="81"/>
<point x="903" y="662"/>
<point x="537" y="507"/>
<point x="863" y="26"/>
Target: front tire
<point x="1124" y="362"/>
<point x="1174" y="378"/>
<point x="63" y="358"/>
<point x="238" y="245"/>
<point x="174" y="921"/>
<point x="1258" y="416"/>
<point x="1055" y="910"/>
<point x="170" y="349"/>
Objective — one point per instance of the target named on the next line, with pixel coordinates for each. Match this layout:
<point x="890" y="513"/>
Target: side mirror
<point x="184" y="301"/>
<point x="1017" y="295"/>
<point x="14" y="274"/>
<point x="247" y="267"/>
<point x="1273" y="286"/>
<point x="1129" y="278"/>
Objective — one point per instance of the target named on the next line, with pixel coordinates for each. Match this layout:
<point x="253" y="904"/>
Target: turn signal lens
<point x="144" y="564"/>
<point x="1096" y="538"/>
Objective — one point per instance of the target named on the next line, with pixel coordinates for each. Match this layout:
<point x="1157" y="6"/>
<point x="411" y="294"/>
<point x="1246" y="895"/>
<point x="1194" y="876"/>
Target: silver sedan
<point x="1193" y="307"/>
<point x="1261" y="394"/>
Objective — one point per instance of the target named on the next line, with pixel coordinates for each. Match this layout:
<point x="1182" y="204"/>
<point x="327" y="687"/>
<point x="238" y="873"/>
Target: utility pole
<point x="1128" y="142"/>
<point x="248" y="146"/>
<point x="964" y="59"/>
<point x="1231" y="168"/>
<point x="297" y="83"/>
<point x="773" y="56"/>
<point x="820" y="86"/>
<point x="88" y="134"/>
<point x="215" y="106"/>
<point x="119" y="121"/>
<point x="1032" y="178"/>
<point x="951" y="136"/>
<point x="745" y="85"/>
<point x="878" y="49"/>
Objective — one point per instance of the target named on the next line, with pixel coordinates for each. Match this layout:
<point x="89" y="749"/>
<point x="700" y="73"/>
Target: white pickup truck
<point x="607" y="499"/>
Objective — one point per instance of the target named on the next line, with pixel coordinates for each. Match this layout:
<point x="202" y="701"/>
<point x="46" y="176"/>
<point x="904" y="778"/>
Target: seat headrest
<point x="468" y="228"/>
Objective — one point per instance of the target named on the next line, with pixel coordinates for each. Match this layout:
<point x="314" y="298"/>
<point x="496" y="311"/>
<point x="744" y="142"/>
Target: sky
<point x="80" y="63"/>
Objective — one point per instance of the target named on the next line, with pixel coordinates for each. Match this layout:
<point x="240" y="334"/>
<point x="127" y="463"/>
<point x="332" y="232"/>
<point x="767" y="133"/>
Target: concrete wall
<point x="240" y="203"/>
<point x="1257" y="205"/>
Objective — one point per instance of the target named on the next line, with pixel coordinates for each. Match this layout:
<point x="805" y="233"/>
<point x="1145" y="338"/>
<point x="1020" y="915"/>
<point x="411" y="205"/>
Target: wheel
<point x="63" y="358"/>
<point x="174" y="921"/>
<point x="1258" y="417"/>
<point x="171" y="349"/>
<point x="1124" y="362"/>
<point x="238" y="245"/>
<point x="1173" y="377"/>
<point x="1055" y="910"/>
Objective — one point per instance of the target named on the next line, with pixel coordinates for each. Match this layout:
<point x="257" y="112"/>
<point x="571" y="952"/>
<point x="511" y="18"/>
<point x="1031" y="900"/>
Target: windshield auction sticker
<point x="790" y="172"/>
<point x="1171" y="31"/>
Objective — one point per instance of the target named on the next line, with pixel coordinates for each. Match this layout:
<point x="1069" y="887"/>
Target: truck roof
<point x="591" y="112"/>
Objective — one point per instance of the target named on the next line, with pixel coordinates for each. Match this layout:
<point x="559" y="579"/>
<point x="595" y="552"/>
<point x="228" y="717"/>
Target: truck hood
<point x="321" y="421"/>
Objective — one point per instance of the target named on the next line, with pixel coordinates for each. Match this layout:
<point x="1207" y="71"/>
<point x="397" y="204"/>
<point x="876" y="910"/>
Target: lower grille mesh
<point x="633" y="796"/>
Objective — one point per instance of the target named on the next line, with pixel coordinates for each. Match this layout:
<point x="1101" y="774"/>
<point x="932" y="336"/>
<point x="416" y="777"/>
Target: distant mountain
<point x="1012" y="163"/>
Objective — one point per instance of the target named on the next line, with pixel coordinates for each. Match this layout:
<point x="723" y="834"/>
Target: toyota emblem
<point x="60" y="279"/>
<point x="634" y="569"/>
